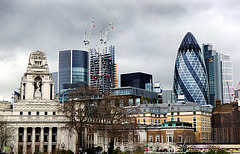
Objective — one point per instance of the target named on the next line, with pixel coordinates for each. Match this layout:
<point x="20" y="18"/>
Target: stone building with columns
<point x="35" y="113"/>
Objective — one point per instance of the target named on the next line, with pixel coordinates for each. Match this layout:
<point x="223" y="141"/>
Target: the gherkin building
<point x="190" y="76"/>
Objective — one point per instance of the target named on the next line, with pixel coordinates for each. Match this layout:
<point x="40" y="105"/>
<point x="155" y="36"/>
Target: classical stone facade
<point x="35" y="113"/>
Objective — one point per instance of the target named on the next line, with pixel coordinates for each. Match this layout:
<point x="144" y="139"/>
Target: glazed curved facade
<point x="190" y="76"/>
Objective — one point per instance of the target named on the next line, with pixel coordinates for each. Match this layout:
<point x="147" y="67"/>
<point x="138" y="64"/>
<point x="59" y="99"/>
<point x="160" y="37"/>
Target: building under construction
<point x="103" y="69"/>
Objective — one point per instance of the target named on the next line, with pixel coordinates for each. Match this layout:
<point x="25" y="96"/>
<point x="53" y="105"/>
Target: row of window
<point x="38" y="113"/>
<point x="156" y="121"/>
<point x="169" y="138"/>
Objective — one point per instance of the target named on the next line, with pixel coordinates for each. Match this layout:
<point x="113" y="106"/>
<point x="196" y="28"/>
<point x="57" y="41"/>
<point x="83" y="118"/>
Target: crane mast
<point x="87" y="33"/>
<point x="104" y="35"/>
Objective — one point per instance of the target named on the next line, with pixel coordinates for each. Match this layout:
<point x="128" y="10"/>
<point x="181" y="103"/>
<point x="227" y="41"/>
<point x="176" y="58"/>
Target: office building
<point x="227" y="79"/>
<point x="136" y="96"/>
<point x="167" y="96"/>
<point x="138" y="80"/>
<point x="190" y="76"/>
<point x="73" y="69"/>
<point x="213" y="66"/>
<point x="103" y="69"/>
<point x="55" y="78"/>
<point x="220" y="75"/>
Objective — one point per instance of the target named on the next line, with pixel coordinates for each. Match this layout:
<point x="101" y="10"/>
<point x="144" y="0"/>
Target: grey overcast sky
<point x="146" y="33"/>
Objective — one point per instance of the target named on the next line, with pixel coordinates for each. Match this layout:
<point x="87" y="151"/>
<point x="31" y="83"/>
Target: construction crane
<point x="87" y="33"/>
<point x="236" y="96"/>
<point x="238" y="85"/>
<point x="104" y="34"/>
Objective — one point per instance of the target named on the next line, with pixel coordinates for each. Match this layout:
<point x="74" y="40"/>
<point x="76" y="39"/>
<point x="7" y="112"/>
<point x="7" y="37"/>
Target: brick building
<point x="226" y="123"/>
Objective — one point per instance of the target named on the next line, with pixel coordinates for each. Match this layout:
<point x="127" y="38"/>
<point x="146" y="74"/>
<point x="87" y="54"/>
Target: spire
<point x="189" y="42"/>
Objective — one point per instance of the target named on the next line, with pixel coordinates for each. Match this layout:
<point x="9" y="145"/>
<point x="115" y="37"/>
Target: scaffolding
<point x="102" y="69"/>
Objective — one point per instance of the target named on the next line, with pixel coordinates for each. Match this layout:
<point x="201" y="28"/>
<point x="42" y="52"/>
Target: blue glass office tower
<point x="190" y="76"/>
<point x="73" y="69"/>
<point x="213" y="64"/>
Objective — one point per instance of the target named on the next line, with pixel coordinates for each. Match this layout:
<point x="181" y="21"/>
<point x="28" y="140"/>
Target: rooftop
<point x="189" y="43"/>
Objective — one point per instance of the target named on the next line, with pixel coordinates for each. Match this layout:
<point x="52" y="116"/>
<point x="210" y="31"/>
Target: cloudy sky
<point x="146" y="33"/>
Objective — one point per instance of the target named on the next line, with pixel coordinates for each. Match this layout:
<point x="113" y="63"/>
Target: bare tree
<point x="108" y="115"/>
<point x="116" y="120"/>
<point x="80" y="110"/>
<point x="5" y="134"/>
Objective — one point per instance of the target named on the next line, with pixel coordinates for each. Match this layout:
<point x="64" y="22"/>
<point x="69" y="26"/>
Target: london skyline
<point x="146" y="34"/>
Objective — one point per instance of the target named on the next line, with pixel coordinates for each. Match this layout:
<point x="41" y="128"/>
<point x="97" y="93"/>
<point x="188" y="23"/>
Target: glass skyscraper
<point x="213" y="65"/>
<point x="220" y="75"/>
<point x="73" y="69"/>
<point x="190" y="76"/>
<point x="227" y="79"/>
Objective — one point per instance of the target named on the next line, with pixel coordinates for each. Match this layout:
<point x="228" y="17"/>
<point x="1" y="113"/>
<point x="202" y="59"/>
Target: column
<point x="58" y="138"/>
<point x="95" y="142"/>
<point x="25" y="140"/>
<point x="50" y="140"/>
<point x="85" y="139"/>
<point x="16" y="140"/>
<point x="33" y="139"/>
<point x="41" y="139"/>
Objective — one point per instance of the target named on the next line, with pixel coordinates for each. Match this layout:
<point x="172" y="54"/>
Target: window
<point x="165" y="120"/>
<point x="194" y="119"/>
<point x="54" y="113"/>
<point x="178" y="119"/>
<point x="194" y="112"/>
<point x="165" y="115"/>
<point x="29" y="113"/>
<point x="137" y="101"/>
<point x="155" y="121"/>
<point x="29" y="138"/>
<point x="137" y="138"/>
<point x="170" y="139"/>
<point x="159" y="121"/>
<point x="21" y="113"/>
<point x="37" y="113"/>
<point x="150" y="148"/>
<point x="119" y="139"/>
<point x="144" y="121"/>
<point x="157" y="138"/>
<point x="194" y="123"/>
<point x="139" y="121"/>
<point x="45" y="113"/>
<point x="130" y="102"/>
<point x="126" y="138"/>
<point x="179" y="138"/>
<point x="45" y="138"/>
<point x="150" y="138"/>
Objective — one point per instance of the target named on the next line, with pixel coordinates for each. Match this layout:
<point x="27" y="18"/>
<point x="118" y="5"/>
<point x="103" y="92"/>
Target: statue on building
<point x="37" y="93"/>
